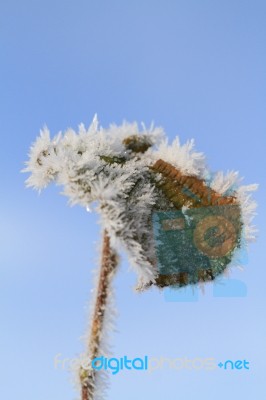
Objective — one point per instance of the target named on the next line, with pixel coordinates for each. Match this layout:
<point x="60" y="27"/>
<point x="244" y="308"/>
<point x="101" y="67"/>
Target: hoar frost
<point x="113" y="167"/>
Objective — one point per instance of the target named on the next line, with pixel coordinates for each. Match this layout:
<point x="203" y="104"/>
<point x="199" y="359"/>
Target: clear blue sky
<point x="196" y="67"/>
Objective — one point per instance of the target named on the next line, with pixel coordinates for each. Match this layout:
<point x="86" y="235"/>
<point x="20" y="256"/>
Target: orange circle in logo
<point x="215" y="236"/>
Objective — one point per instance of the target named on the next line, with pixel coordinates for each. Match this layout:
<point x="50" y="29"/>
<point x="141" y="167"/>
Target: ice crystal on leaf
<point x="115" y="167"/>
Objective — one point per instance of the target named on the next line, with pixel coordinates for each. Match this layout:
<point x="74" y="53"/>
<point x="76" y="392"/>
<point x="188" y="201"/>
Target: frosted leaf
<point x="113" y="167"/>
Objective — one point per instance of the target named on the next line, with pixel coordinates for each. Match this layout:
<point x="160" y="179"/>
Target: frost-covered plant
<point x="134" y="175"/>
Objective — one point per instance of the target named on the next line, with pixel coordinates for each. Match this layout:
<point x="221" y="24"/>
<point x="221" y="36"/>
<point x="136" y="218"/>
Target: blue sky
<point x="197" y="68"/>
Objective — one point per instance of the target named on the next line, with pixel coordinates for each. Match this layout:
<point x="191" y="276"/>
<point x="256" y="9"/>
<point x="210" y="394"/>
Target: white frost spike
<point x="182" y="156"/>
<point x="222" y="183"/>
<point x="94" y="125"/>
<point x="248" y="207"/>
<point x="43" y="162"/>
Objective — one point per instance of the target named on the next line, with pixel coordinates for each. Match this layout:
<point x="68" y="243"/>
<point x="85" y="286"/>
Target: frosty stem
<point x="107" y="269"/>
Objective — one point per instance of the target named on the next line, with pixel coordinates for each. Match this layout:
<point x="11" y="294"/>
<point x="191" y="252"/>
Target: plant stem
<point x="108" y="266"/>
